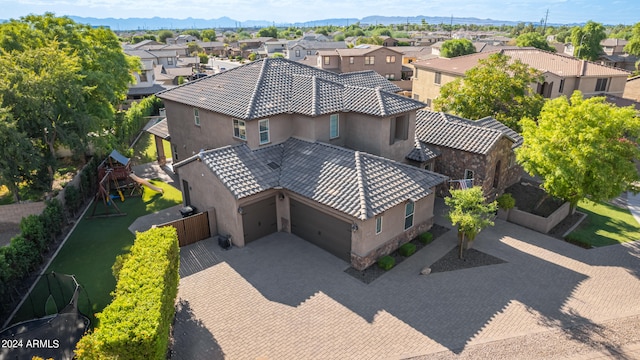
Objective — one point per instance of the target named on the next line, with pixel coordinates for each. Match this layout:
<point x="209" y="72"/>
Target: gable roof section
<point x="274" y="86"/>
<point x="437" y="128"/>
<point x="356" y="183"/>
<point x="561" y="65"/>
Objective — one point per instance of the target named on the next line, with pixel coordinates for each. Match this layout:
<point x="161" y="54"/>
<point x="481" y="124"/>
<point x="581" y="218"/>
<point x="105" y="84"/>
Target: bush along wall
<point x="136" y="324"/>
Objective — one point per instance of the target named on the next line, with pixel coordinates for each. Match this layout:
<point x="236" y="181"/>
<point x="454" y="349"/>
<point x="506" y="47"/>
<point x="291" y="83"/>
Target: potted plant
<point x="505" y="202"/>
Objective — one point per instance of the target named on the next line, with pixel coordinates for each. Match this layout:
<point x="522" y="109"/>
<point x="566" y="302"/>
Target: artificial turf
<point x="91" y="250"/>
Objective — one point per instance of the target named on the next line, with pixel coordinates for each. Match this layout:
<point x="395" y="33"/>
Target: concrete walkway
<point x="283" y="298"/>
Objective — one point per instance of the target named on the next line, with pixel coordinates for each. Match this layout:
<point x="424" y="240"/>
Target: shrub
<point x="506" y="201"/>
<point x="426" y="238"/>
<point x="72" y="198"/>
<point x="136" y="323"/>
<point x="386" y="262"/>
<point x="53" y="217"/>
<point x="33" y="230"/>
<point x="407" y="249"/>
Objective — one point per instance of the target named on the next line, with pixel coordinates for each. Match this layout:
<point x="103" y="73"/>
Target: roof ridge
<point x="383" y="107"/>
<point x="363" y="211"/>
<point x="314" y="95"/>
<point x="254" y="96"/>
<point x="469" y="123"/>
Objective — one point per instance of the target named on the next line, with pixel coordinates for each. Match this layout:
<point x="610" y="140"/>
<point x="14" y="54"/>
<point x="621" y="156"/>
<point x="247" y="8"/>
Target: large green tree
<point x="209" y="35"/>
<point x="457" y="47"/>
<point x="633" y="46"/>
<point x="586" y="40"/>
<point x="270" y="31"/>
<point x="534" y="39"/>
<point x="469" y="210"/>
<point x="63" y="80"/>
<point x="582" y="148"/>
<point x="497" y="87"/>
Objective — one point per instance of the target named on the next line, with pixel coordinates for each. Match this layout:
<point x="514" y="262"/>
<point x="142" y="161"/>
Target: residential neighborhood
<point x="352" y="191"/>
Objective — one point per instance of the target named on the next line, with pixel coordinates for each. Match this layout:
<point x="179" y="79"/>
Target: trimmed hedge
<point x="506" y="201"/>
<point x="426" y="238"/>
<point x="136" y="323"/>
<point x="407" y="249"/>
<point x="386" y="262"/>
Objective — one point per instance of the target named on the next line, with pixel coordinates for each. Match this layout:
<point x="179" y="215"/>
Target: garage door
<point x="259" y="219"/>
<point x="322" y="230"/>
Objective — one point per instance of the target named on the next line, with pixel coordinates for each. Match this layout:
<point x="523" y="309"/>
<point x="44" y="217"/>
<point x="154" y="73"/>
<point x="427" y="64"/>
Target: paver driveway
<point x="283" y="298"/>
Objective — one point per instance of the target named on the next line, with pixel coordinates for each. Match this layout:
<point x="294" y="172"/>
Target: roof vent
<point x="273" y="165"/>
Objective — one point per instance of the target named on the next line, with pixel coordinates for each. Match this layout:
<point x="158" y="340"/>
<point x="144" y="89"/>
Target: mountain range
<point x="157" y="23"/>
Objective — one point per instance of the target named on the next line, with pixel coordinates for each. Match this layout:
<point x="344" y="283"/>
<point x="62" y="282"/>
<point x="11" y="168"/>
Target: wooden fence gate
<point x="191" y="229"/>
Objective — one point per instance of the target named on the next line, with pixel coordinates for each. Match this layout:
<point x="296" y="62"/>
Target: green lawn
<point x="145" y="148"/>
<point x="605" y="225"/>
<point x="92" y="248"/>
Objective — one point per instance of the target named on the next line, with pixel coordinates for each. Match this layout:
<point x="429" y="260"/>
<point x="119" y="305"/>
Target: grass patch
<point x="145" y="149"/>
<point x="605" y="224"/>
<point x="92" y="248"/>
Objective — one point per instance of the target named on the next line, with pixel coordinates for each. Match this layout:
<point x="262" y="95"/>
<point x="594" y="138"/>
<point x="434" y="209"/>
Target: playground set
<point x="116" y="181"/>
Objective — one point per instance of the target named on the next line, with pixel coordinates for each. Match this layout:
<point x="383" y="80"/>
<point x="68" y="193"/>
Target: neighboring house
<point x="142" y="44"/>
<point x="145" y="79"/>
<point x="181" y="39"/>
<point x="275" y="145"/>
<point x="277" y="46"/>
<point x="481" y="151"/>
<point x="389" y="41"/>
<point x="632" y="89"/>
<point x="385" y="61"/>
<point x="615" y="56"/>
<point x="299" y="49"/>
<point x="562" y="74"/>
<point x="213" y="47"/>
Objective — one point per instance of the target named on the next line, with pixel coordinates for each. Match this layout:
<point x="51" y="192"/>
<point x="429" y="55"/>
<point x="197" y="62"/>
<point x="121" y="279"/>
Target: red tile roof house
<point x="275" y="145"/>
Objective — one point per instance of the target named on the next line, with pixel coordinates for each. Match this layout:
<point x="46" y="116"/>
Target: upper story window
<point x="390" y="76"/>
<point x="297" y="53"/>
<point x="309" y="52"/>
<point x="601" y="85"/>
<point x="378" y="224"/>
<point x="170" y="61"/>
<point x="334" y="126"/>
<point x="438" y="78"/>
<point x="416" y="97"/>
<point x="351" y="60"/>
<point x="369" y="60"/>
<point x="428" y="102"/>
<point x="143" y="76"/>
<point x="327" y="60"/>
<point x="399" y="129"/>
<point x="196" y="116"/>
<point x="409" y="208"/>
<point x="468" y="175"/>
<point x="239" y="129"/>
<point x="391" y="59"/>
<point x="561" y="88"/>
<point x="263" y="129"/>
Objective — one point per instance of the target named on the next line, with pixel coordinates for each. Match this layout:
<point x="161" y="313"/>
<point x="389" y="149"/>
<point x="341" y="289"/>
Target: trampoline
<point x="58" y="325"/>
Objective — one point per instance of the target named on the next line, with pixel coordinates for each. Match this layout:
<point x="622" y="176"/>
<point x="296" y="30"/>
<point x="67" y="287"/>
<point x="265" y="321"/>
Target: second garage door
<point x="259" y="219"/>
<point x="322" y="230"/>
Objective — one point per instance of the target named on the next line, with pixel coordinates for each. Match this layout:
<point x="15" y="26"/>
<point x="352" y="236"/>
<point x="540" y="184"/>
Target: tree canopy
<point x="457" y="47"/>
<point x="62" y="81"/>
<point x="582" y="148"/>
<point x="469" y="211"/>
<point x="163" y="35"/>
<point x="270" y="31"/>
<point x="534" y="39"/>
<point x="586" y="40"/>
<point x="633" y="46"/>
<point x="209" y="35"/>
<point x="497" y="87"/>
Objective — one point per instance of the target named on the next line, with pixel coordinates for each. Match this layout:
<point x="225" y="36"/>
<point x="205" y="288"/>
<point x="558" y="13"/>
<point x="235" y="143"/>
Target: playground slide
<point x="146" y="183"/>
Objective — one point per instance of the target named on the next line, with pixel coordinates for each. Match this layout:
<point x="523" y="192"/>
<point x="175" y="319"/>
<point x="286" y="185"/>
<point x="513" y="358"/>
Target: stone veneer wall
<point x="363" y="262"/>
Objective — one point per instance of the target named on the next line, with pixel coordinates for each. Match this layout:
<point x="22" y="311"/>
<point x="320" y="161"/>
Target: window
<point x="369" y="60"/>
<point x="601" y="85"/>
<point x="399" y="129"/>
<point x="416" y="97"/>
<point x="438" y="78"/>
<point x="496" y="175"/>
<point x="175" y="153"/>
<point x="309" y="52"/>
<point x="468" y="174"/>
<point x="408" y="214"/>
<point x="334" y="126"/>
<point x="561" y="88"/>
<point x="170" y="61"/>
<point x="327" y="60"/>
<point x="378" y="224"/>
<point x="196" y="116"/>
<point x="297" y="53"/>
<point x="428" y="102"/>
<point x="428" y="166"/>
<point x="390" y="76"/>
<point x="239" y="129"/>
<point x="351" y="60"/>
<point x="143" y="77"/>
<point x="391" y="59"/>
<point x="263" y="126"/>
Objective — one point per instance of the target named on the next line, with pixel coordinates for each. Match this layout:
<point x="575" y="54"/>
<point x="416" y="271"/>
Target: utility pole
<point x="544" y="28"/>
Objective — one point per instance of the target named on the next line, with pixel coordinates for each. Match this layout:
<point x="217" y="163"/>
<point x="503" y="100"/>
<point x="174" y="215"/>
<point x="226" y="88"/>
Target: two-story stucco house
<point x="383" y="60"/>
<point x="275" y="145"/>
<point x="562" y="74"/>
<point x="299" y="49"/>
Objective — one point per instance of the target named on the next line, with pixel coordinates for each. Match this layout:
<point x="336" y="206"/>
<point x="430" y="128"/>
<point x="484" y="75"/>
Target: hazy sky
<point x="560" y="11"/>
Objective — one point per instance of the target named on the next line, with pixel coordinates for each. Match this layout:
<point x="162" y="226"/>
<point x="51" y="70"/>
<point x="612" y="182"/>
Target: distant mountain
<point x="157" y="23"/>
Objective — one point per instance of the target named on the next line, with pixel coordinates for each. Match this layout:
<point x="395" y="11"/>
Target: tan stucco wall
<point x="632" y="90"/>
<point x="371" y="134"/>
<point x="615" y="85"/>
<point x="424" y="85"/>
<point x="380" y="66"/>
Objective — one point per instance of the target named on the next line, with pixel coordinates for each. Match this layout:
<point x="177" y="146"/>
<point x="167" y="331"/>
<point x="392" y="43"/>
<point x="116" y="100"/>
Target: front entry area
<point x="322" y="230"/>
<point x="259" y="219"/>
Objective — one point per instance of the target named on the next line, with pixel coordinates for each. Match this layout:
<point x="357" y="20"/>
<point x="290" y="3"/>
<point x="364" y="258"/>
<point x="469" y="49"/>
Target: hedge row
<point x="136" y="323"/>
<point x="24" y="253"/>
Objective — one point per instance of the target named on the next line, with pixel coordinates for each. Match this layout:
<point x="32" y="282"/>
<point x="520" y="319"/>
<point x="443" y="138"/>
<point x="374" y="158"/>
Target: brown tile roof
<point x="544" y="61"/>
<point x="356" y="183"/>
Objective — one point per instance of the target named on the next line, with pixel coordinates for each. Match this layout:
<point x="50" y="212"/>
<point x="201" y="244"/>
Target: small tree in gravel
<point x="469" y="210"/>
